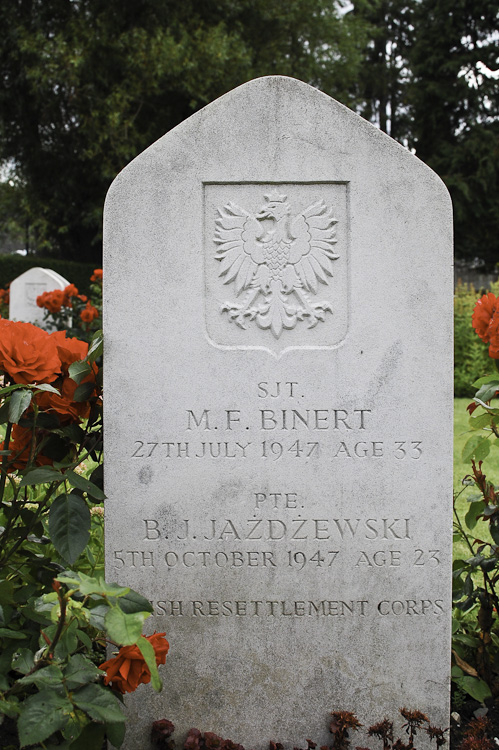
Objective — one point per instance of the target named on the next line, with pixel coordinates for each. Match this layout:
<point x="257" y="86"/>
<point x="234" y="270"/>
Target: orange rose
<point x="53" y="301"/>
<point x="97" y="275"/>
<point x="20" y="445"/>
<point x="63" y="405"/>
<point x="89" y="313"/>
<point x="485" y="320"/>
<point x="128" y="670"/>
<point x="69" y="291"/>
<point x="27" y="353"/>
<point x="69" y="350"/>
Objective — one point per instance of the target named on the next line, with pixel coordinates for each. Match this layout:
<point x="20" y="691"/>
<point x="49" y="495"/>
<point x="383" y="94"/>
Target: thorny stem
<point x="5" y="459"/>
<point x="60" y="625"/>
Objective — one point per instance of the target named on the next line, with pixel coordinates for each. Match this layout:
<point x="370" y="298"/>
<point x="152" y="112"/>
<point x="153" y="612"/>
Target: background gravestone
<point x="278" y="417"/>
<point x="27" y="287"/>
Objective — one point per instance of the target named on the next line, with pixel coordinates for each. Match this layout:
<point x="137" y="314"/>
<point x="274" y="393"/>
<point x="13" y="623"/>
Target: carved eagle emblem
<point x="279" y="259"/>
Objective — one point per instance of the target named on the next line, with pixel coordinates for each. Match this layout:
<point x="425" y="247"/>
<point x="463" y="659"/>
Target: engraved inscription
<point x="300" y="608"/>
<point x="278" y="259"/>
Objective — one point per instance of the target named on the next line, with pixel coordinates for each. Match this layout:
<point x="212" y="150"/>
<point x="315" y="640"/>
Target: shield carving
<point x="276" y="265"/>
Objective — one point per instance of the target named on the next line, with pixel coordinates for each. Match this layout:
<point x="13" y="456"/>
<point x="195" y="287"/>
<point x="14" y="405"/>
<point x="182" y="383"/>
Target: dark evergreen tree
<point x="454" y="109"/>
<point x="380" y="92"/>
<point x="87" y="84"/>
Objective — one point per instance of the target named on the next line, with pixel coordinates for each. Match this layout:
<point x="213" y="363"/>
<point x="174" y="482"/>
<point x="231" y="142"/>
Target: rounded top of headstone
<point x="285" y="116"/>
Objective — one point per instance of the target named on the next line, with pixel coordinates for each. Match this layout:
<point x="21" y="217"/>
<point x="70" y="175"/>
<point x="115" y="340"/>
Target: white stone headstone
<point x="278" y="417"/>
<point x="27" y="287"/>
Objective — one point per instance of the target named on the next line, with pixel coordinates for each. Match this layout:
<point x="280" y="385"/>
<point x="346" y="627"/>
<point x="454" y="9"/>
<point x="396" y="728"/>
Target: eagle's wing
<point x="314" y="236"/>
<point x="237" y="235"/>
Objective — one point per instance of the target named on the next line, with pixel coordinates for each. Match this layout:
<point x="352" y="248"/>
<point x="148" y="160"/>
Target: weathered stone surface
<point x="279" y="473"/>
<point x="27" y="287"/>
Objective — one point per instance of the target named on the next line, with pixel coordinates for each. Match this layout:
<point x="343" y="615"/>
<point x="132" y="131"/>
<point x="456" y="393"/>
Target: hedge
<point x="13" y="265"/>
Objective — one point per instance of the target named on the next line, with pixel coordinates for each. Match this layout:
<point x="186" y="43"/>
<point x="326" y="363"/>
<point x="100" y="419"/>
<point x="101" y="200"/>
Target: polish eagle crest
<point x="279" y="263"/>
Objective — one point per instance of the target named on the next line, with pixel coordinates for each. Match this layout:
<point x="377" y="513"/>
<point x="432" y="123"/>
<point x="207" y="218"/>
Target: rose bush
<point x="476" y="641"/>
<point x="68" y="309"/>
<point x="57" y="613"/>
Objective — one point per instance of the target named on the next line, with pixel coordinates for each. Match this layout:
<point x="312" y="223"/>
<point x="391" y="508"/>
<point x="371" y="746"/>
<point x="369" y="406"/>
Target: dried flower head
<point x="193" y="740"/>
<point x="345" y="720"/>
<point x="383" y="730"/>
<point x="161" y="732"/>
<point x="478" y="727"/>
<point x="414" y="720"/>
<point x="437" y="734"/>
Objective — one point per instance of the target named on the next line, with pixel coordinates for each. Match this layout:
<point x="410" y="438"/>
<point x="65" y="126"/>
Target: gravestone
<point x="278" y="417"/>
<point x="27" y="287"/>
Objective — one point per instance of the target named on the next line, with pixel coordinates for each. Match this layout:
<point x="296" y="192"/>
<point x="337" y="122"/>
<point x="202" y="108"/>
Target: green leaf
<point x="149" y="655"/>
<point x="76" y="480"/>
<point x="494" y="532"/>
<point x="23" y="660"/>
<point x="83" y="637"/>
<point x="124" y="628"/>
<point x="96" y="346"/>
<point x="6" y="592"/>
<point x="97" y="616"/>
<point x="488" y="390"/>
<point x="47" y="387"/>
<point x="4" y="412"/>
<point x="477" y="446"/>
<point x="42" y="475"/>
<point x="41" y="715"/>
<point x="115" y="733"/>
<point x="99" y="703"/>
<point x="80" y="671"/>
<point x="478" y="689"/>
<point x="77" y="722"/>
<point x="486" y="379"/>
<point x="134" y="602"/>
<point x="9" y="707"/>
<point x="15" y="635"/>
<point x="90" y="585"/>
<point x="490" y="564"/>
<point x="68" y="642"/>
<point x="69" y="526"/>
<point x="19" y="402"/>
<point x="50" y="676"/>
<point x="467" y="640"/>
<point x="79" y="370"/>
<point x="468" y="585"/>
<point x="482" y="420"/>
<point x="471" y="517"/>
<point x="91" y="737"/>
<point x="83" y="392"/>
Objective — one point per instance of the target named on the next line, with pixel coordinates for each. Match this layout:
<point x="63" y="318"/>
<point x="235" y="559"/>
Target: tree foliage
<point x="88" y="84"/>
<point x="454" y="107"/>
